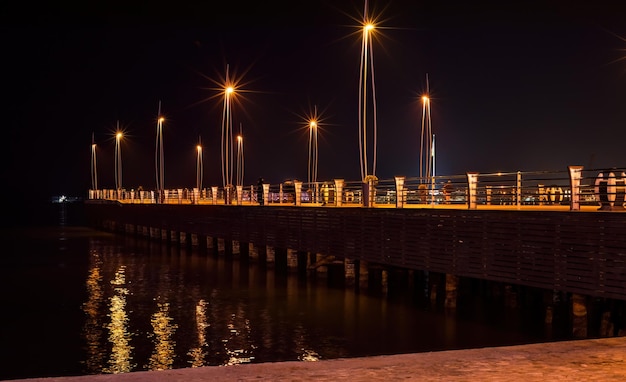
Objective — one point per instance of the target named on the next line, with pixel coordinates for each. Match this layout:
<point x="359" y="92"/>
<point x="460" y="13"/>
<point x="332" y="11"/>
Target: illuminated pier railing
<point x="596" y="189"/>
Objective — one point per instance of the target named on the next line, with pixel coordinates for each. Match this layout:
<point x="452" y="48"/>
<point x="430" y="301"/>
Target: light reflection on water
<point x="163" y="330"/>
<point x="172" y="308"/>
<point x="121" y="353"/>
<point x="228" y="312"/>
<point x="92" y="330"/>
<point x="199" y="353"/>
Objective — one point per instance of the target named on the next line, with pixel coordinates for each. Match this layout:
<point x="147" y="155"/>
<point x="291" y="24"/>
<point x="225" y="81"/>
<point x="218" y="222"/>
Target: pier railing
<point x="573" y="189"/>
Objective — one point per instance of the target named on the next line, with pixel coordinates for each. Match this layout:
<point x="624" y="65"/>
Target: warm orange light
<point x="368" y="27"/>
<point x="229" y="90"/>
<point x="425" y="99"/>
<point x="199" y="148"/>
<point x="118" y="135"/>
<point x="313" y="124"/>
<point x="239" y="138"/>
<point x="161" y="119"/>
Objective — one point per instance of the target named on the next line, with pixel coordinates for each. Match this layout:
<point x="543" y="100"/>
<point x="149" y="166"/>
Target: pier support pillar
<point x="164" y="234"/>
<point x="579" y="316"/>
<point x="320" y="269"/>
<point x="364" y="275"/>
<point x="194" y="239"/>
<point x="270" y="254"/>
<point x="174" y="236"/>
<point x="349" y="271"/>
<point x="384" y="281"/>
<point x="209" y="242"/>
<point x="292" y="259"/>
<point x="434" y="282"/>
<point x="221" y="247"/>
<point x="253" y="251"/>
<point x="549" y="317"/>
<point x="452" y="284"/>
<point x="182" y="238"/>
<point x="606" y="326"/>
<point x="236" y="249"/>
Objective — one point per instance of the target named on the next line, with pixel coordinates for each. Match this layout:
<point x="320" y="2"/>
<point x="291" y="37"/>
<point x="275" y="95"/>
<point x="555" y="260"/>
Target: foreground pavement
<point x="583" y="360"/>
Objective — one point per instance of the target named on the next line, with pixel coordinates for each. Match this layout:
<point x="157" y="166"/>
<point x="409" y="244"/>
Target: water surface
<point x="79" y="301"/>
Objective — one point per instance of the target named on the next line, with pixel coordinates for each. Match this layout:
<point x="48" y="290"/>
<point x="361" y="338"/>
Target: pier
<point x="578" y="252"/>
<point x="507" y="228"/>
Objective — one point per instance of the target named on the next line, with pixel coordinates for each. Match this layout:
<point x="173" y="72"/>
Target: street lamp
<point x="159" y="157"/>
<point x="227" y="133"/>
<point x="118" y="159"/>
<point x="312" y="163"/>
<point x="240" y="159"/>
<point x="366" y="81"/>
<point x="199" y="166"/>
<point x="427" y="139"/>
<point x="94" y="168"/>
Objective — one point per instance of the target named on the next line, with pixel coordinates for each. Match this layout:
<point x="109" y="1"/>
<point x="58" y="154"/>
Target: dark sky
<point x="515" y="86"/>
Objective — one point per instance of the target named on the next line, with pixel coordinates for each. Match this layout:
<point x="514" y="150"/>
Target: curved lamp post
<point x="366" y="81"/>
<point x="118" y="159"/>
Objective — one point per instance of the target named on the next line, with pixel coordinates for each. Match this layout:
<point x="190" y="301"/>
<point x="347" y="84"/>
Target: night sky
<point x="515" y="86"/>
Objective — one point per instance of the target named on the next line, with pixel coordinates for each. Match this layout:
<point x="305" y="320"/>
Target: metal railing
<point x="576" y="187"/>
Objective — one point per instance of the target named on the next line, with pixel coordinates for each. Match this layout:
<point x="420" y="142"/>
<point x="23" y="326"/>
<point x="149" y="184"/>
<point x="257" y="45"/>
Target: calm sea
<point x="77" y="301"/>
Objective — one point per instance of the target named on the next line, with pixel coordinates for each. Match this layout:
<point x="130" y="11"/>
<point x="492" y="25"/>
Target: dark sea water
<point x="79" y="301"/>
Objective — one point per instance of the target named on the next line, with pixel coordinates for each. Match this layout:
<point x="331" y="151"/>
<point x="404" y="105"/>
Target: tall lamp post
<point x="427" y="139"/>
<point x="159" y="157"/>
<point x="312" y="164"/>
<point x="240" y="159"/>
<point x="94" y="167"/>
<point x="366" y="81"/>
<point x="227" y="133"/>
<point x="199" y="166"/>
<point x="118" y="159"/>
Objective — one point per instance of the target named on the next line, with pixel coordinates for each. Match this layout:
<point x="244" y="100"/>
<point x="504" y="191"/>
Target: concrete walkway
<point x="584" y="360"/>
